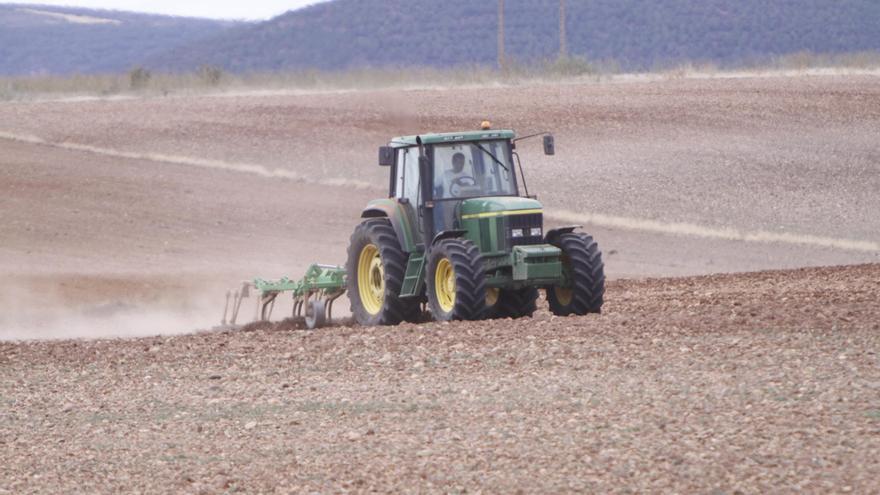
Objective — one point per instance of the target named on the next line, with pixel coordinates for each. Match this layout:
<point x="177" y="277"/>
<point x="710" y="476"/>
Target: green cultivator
<point x="313" y="296"/>
<point x="458" y="235"/>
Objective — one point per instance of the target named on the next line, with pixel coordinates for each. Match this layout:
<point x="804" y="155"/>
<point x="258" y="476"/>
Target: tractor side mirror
<point x="386" y="156"/>
<point x="549" y="145"/>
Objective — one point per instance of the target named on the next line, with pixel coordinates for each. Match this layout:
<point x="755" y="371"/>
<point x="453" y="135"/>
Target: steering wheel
<point x="459" y="182"/>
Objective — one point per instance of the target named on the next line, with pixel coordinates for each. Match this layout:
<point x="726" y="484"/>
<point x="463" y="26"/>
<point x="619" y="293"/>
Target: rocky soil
<point x="130" y="218"/>
<point x="755" y="383"/>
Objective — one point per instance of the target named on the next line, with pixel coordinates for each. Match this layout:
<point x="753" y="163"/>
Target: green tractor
<point x="459" y="233"/>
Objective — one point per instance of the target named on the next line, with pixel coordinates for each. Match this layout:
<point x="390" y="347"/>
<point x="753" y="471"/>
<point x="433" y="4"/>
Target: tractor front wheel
<point x="584" y="273"/>
<point x="375" y="270"/>
<point x="456" y="284"/>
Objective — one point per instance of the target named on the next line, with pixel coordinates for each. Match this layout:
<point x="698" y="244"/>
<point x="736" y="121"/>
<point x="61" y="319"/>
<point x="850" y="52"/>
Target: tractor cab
<point x="435" y="175"/>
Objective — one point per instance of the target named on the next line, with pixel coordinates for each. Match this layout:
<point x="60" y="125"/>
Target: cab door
<point x="407" y="189"/>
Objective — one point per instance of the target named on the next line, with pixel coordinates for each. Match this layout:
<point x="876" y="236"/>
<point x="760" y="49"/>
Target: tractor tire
<point x="375" y="270"/>
<point x="584" y="271"/>
<point x="456" y="282"/>
<point x="510" y="303"/>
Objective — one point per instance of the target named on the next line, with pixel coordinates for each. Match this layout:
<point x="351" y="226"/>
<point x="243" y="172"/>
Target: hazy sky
<point x="252" y="9"/>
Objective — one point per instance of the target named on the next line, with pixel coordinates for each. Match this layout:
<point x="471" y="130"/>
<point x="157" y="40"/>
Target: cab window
<point x="408" y="174"/>
<point x="473" y="169"/>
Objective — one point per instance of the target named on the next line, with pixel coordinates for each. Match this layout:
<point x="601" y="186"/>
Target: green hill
<point x="342" y="34"/>
<point x="36" y="40"/>
<point x="638" y="34"/>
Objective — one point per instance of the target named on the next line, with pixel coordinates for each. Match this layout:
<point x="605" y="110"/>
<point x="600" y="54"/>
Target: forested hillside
<point x="53" y="40"/>
<point x="636" y="33"/>
<point x="342" y="34"/>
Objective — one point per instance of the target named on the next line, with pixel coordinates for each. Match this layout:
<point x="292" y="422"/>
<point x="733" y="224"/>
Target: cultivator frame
<point x="313" y="296"/>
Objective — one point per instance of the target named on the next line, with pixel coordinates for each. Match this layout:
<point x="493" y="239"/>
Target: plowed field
<point x="727" y="358"/>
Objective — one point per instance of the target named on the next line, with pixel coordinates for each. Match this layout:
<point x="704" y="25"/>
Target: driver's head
<point x="458" y="162"/>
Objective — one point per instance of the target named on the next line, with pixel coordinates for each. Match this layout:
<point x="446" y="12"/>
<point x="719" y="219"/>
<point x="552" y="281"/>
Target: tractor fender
<point x="447" y="234"/>
<point x="552" y="234"/>
<point x="390" y="209"/>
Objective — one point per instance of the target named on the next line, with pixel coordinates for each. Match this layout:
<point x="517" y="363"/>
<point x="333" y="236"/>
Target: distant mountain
<point x="636" y="33"/>
<point x="38" y="39"/>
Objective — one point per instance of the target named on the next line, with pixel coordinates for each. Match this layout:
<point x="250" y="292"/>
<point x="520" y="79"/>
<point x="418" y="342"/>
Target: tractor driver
<point x="453" y="179"/>
<point x="454" y="173"/>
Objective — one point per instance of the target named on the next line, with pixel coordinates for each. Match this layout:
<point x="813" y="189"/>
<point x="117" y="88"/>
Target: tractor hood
<point x="498" y="206"/>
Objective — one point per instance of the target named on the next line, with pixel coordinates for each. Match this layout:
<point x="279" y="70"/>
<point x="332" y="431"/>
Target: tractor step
<point x="414" y="279"/>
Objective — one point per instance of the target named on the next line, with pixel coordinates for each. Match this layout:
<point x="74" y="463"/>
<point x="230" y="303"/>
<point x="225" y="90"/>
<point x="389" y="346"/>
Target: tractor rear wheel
<point x="584" y="274"/>
<point x="510" y="303"/>
<point x="375" y="270"/>
<point x="456" y="282"/>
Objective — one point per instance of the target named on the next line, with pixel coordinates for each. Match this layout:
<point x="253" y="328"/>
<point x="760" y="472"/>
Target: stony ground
<point x="132" y="217"/>
<point x="757" y="383"/>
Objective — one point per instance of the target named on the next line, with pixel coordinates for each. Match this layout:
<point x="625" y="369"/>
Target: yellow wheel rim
<point x="371" y="279"/>
<point x="444" y="285"/>
<point x="492" y="295"/>
<point x="563" y="295"/>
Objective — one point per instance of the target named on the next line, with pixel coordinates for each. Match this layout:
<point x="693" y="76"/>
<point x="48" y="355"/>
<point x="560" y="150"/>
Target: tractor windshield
<point x="473" y="170"/>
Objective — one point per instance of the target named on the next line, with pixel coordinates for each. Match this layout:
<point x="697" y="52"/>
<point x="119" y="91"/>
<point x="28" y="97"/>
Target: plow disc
<point x="313" y="296"/>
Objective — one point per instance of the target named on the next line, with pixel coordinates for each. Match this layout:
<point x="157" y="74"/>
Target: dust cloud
<point x="27" y="314"/>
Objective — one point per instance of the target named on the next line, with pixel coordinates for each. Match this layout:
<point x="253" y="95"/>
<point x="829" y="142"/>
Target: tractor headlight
<point x="517" y="233"/>
<point x="536" y="232"/>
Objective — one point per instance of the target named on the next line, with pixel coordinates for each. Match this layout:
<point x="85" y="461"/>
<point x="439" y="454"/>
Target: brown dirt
<point x="753" y="383"/>
<point x="742" y="153"/>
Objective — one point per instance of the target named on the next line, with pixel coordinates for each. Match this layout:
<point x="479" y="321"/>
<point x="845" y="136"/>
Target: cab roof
<point x="452" y="137"/>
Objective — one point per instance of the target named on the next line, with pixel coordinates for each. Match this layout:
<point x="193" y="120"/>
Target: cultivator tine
<point x="226" y="307"/>
<point x="298" y="307"/>
<point x="236" y="303"/>
<point x="237" y="297"/>
<point x="266" y="305"/>
<point x="330" y="300"/>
